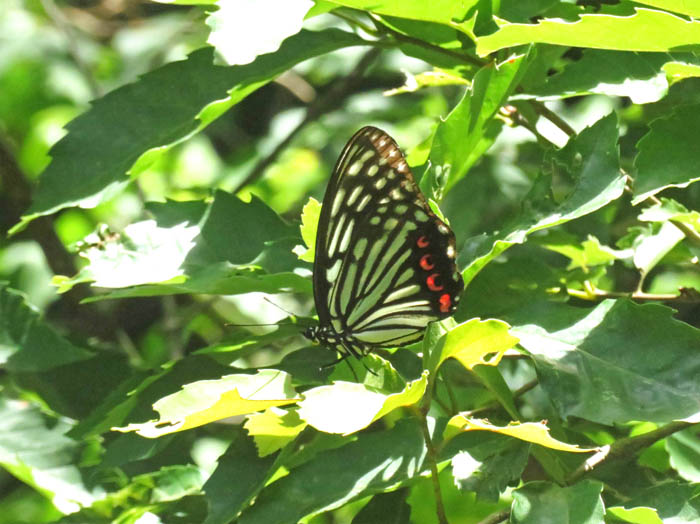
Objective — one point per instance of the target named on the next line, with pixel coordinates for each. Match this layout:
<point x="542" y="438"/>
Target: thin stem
<point x="323" y="104"/>
<point x="550" y="115"/>
<point x="432" y="460"/>
<point x="400" y="37"/>
<point x="62" y="23"/>
<point x="625" y="448"/>
<point x="495" y="518"/>
<point x="689" y="295"/>
<point x="494" y="405"/>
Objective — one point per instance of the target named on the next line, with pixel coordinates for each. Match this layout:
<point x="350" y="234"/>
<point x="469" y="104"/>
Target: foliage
<point x="161" y="172"/>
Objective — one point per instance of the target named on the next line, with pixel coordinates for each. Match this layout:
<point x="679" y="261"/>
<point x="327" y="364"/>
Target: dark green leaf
<point x="667" y="154"/>
<point x="27" y="344"/>
<point x="592" y="160"/>
<point x="372" y="464"/>
<point x="539" y="502"/>
<point x="614" y="363"/>
<point x="387" y="508"/>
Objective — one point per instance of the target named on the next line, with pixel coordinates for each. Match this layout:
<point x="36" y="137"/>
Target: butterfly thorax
<point x="344" y="343"/>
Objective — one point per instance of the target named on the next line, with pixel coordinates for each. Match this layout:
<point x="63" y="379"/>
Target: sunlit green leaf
<point x="209" y="400"/>
<point x="677" y="71"/>
<point x="309" y="223"/>
<point x="475" y="342"/>
<point x="535" y="432"/>
<point x="244" y="29"/>
<point x="639" y="515"/>
<point x="645" y="30"/>
<point x="346" y="407"/>
<point x="273" y="428"/>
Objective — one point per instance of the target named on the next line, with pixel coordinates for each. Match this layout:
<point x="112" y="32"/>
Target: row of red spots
<point x="426" y="263"/>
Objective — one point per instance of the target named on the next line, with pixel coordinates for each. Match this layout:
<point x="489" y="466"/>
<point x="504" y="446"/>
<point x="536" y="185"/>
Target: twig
<point x="550" y="115"/>
<point x="432" y="459"/>
<point x="624" y="449"/>
<point x="689" y="295"/>
<point x="491" y="406"/>
<point x="495" y="518"/>
<point x="61" y="22"/>
<point x="400" y="37"/>
<point x="323" y="104"/>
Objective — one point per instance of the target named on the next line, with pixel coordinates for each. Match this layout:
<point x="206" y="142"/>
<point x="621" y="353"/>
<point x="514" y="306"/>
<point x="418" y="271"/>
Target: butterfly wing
<point x="385" y="263"/>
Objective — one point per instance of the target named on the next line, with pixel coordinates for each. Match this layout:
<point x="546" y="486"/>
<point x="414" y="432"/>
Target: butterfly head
<point x="311" y="332"/>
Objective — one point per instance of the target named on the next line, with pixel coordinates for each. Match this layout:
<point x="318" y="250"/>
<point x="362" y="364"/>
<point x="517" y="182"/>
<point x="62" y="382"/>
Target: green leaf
<point x="584" y="254"/>
<point x="240" y="33"/>
<point x="537" y="502"/>
<point x="102" y="145"/>
<point x="585" y="365"/>
<point x="646" y="30"/>
<point x="457" y="143"/>
<point x="667" y="155"/>
<point x="376" y="462"/>
<point x="206" y="401"/>
<point x="488" y="476"/>
<point x="388" y="508"/>
<point x="639" y="76"/>
<point x="347" y="407"/>
<point x="27" y="344"/>
<point x="239" y="232"/>
<point x="238" y="477"/>
<point x="593" y="162"/>
<point x="239" y="246"/>
<point x="650" y="247"/>
<point x="684" y="453"/>
<point x="35" y="449"/>
<point x="673" y="501"/>
<point x="677" y="6"/>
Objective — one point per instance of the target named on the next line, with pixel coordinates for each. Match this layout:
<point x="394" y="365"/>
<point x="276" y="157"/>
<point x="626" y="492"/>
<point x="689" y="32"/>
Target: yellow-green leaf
<point x="205" y="401"/>
<point x="309" y="223"/>
<point x="638" y="515"/>
<point x="477" y="342"/>
<point x="347" y="407"/>
<point x="273" y="429"/>
<point x="646" y="30"/>
<point x="535" y="432"/>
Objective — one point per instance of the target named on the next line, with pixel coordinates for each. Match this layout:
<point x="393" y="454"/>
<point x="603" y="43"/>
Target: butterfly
<point x="385" y="263"/>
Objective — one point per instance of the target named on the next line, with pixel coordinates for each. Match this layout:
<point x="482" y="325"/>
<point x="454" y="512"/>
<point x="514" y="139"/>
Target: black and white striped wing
<point x="385" y="263"/>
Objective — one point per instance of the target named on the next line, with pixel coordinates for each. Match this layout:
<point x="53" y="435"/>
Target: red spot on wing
<point x="445" y="303"/>
<point x="426" y="262"/>
<point x="422" y="241"/>
<point x="432" y="284"/>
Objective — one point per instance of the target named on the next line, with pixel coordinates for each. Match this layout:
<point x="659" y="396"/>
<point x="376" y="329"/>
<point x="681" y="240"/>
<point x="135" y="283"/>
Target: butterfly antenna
<point x="279" y="307"/>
